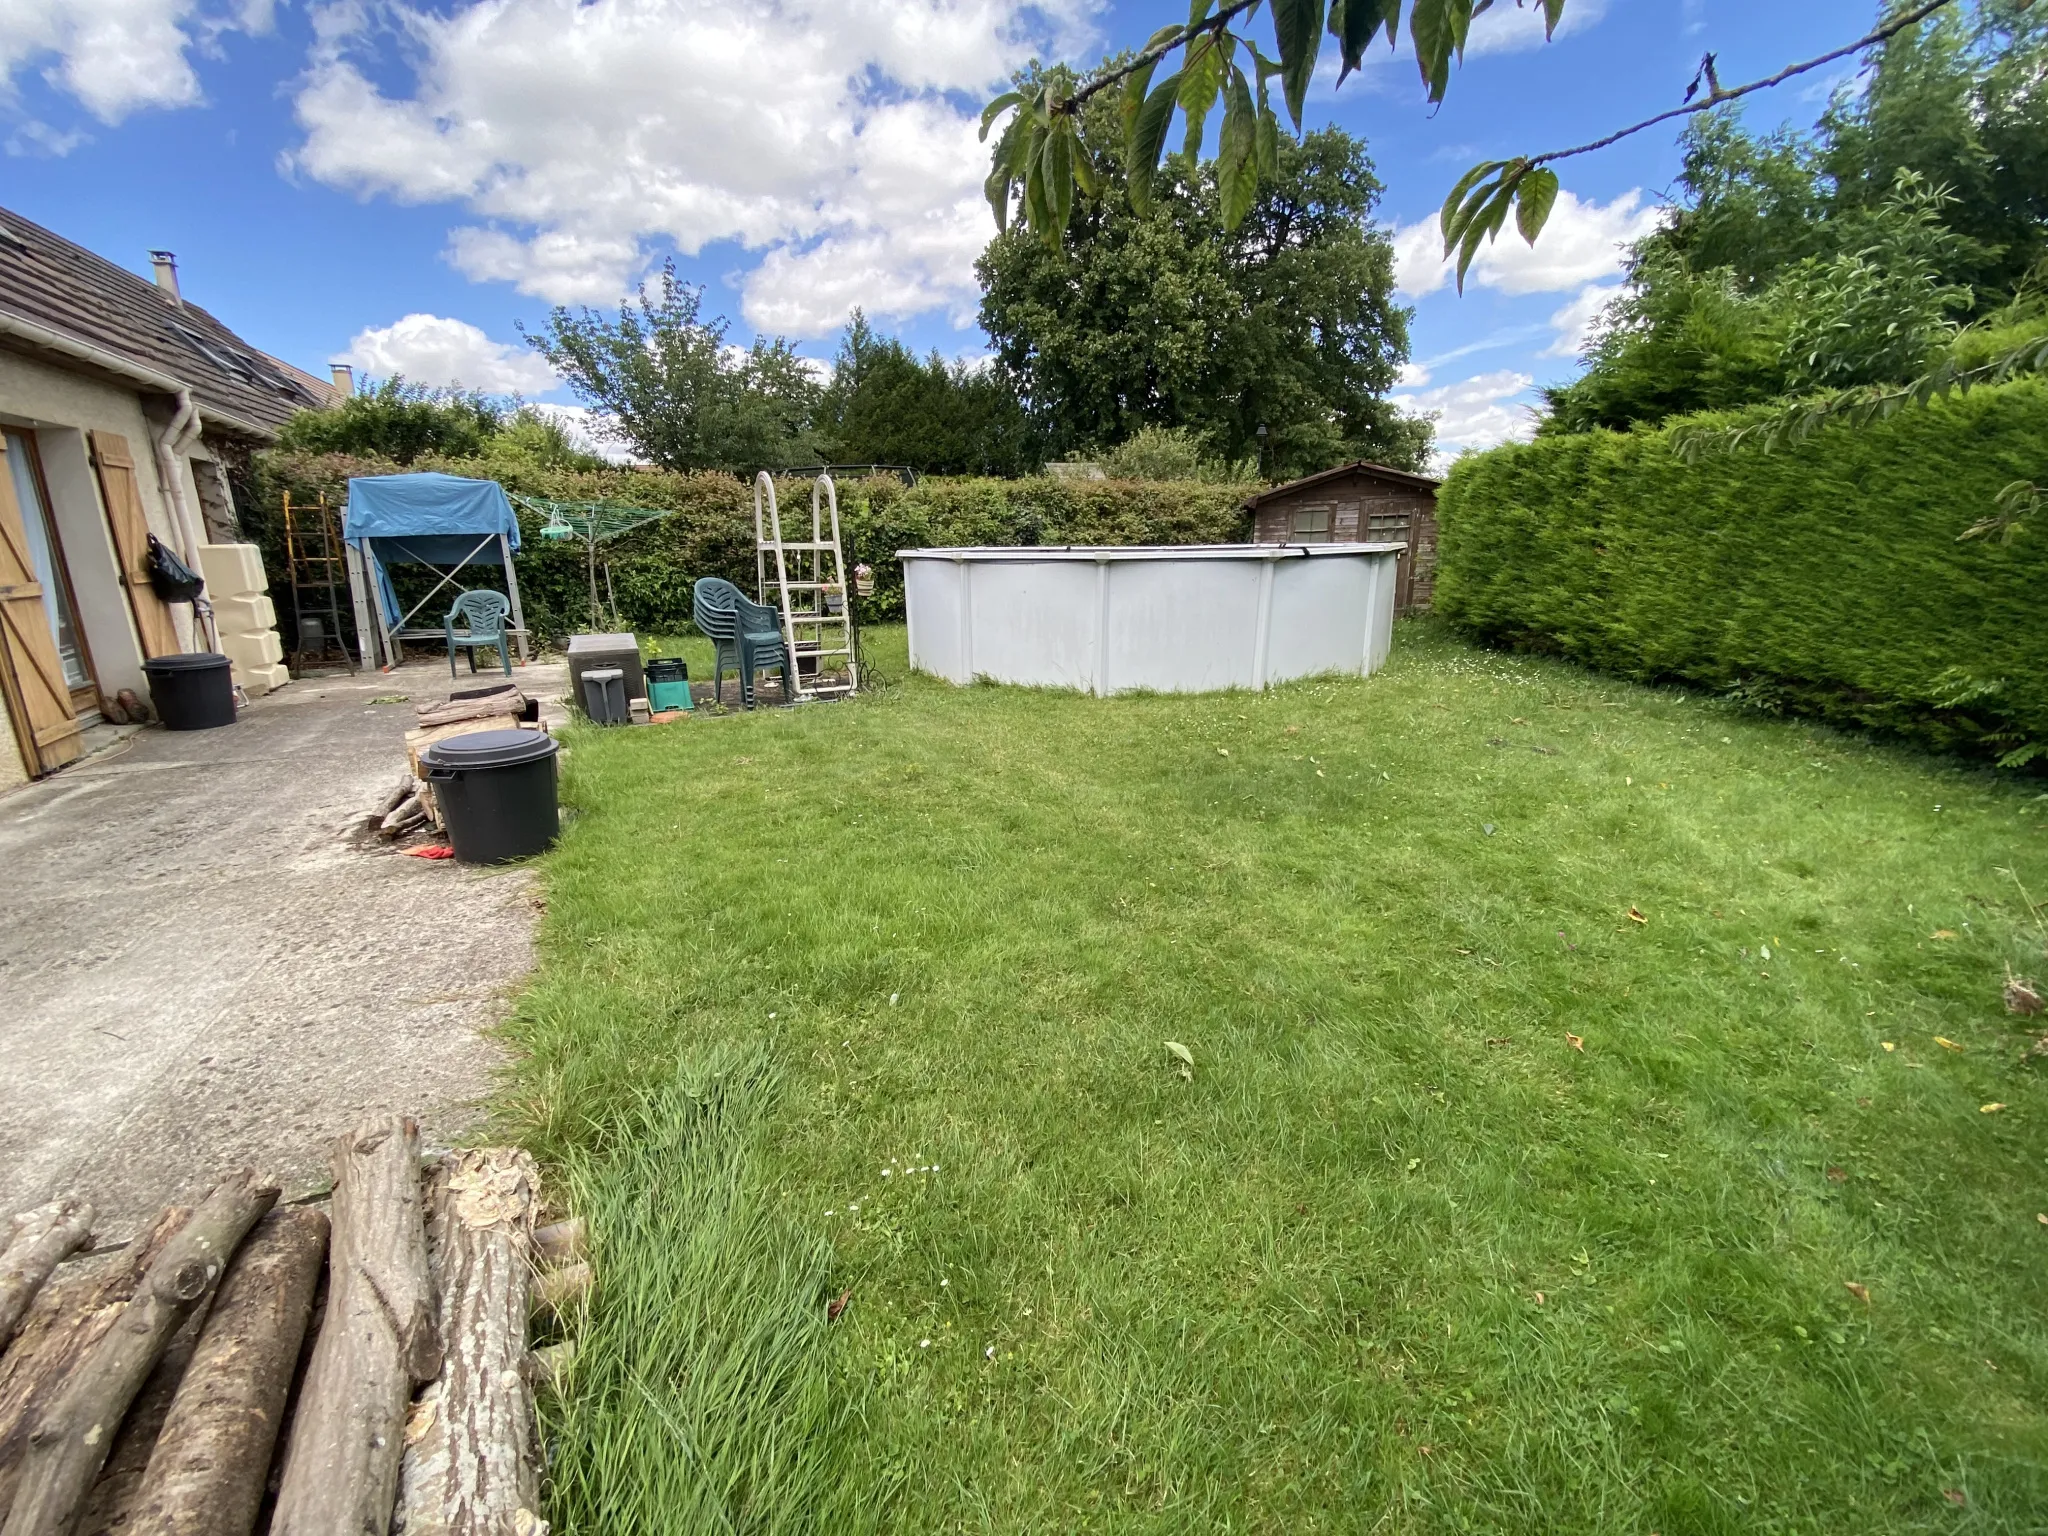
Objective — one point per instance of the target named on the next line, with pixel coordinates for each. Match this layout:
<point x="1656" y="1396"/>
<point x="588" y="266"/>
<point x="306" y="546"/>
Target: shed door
<point x="131" y="543"/>
<point x="38" y="697"/>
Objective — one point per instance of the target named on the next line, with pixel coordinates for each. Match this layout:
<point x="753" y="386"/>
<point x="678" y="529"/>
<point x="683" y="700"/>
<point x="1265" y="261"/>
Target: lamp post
<point x="1262" y="450"/>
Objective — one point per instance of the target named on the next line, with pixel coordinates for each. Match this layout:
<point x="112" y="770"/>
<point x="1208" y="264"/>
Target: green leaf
<point x="1553" y="13"/>
<point x="1237" y="171"/>
<point x="997" y="108"/>
<point x="1465" y="184"/>
<point x="1298" y="24"/>
<point x="997" y="190"/>
<point x="1534" y="198"/>
<point x="1138" y="83"/>
<point x="1430" y="29"/>
<point x="1269" y="144"/>
<point x="1485" y="224"/>
<point x="1201" y="81"/>
<point x="1058" y="169"/>
<point x="1198" y="11"/>
<point x="1354" y="22"/>
<point x="1147" y="138"/>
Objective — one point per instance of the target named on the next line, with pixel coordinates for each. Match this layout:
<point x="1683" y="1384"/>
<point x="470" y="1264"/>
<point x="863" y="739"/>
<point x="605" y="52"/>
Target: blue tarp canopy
<point x="427" y="519"/>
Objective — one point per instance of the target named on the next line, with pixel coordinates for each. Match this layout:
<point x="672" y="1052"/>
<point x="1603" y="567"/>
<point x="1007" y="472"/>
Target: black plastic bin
<point x="192" y="691"/>
<point x="496" y="790"/>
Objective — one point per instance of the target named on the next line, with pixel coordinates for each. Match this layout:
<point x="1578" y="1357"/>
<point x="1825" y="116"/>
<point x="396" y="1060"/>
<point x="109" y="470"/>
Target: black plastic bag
<point x="171" y="578"/>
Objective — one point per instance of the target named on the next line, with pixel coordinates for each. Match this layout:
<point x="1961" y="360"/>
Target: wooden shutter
<point x="38" y="698"/>
<point x="131" y="543"/>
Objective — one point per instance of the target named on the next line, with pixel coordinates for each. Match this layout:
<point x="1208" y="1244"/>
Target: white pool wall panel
<point x="1186" y="619"/>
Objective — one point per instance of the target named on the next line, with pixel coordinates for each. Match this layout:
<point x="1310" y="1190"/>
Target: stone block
<point x="251" y="651"/>
<point x="232" y="570"/>
<point x="247" y="615"/>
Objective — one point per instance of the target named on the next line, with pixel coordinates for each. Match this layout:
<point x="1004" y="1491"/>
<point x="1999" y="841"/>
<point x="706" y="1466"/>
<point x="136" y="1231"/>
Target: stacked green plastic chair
<point x="742" y="632"/>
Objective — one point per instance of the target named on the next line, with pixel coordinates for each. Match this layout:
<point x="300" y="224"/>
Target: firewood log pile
<point x="357" y="1364"/>
<point x="407" y="810"/>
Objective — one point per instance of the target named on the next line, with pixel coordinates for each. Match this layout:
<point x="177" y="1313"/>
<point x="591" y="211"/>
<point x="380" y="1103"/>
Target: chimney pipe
<point x="166" y="265"/>
<point x="344" y="377"/>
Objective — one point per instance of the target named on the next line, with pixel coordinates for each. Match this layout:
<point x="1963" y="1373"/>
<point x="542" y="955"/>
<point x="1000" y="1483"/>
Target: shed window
<point x="1312" y="525"/>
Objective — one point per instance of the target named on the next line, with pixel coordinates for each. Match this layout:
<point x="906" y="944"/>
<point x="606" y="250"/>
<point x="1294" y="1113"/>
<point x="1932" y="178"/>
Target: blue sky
<point x="397" y="183"/>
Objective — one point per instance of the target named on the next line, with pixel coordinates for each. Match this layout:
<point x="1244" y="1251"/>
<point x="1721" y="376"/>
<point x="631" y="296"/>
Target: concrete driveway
<point x="196" y="973"/>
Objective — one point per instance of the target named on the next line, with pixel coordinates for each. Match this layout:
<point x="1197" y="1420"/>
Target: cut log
<point x="206" y="1476"/>
<point x="472" y="1461"/>
<point x="68" y="1319"/>
<point x="378" y="1343"/>
<point x="561" y="1242"/>
<point x="111" y="1506"/>
<point x="71" y="1440"/>
<point x="473" y="704"/>
<point x="394" y="798"/>
<point x="408" y="815"/>
<point x="38" y="1241"/>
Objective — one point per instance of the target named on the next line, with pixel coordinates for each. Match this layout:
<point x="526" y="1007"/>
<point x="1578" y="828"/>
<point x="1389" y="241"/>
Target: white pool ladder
<point x="808" y="586"/>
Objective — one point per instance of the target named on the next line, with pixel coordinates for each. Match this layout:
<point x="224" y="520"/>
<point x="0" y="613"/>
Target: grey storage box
<point x="621" y="651"/>
<point x="604" y="696"/>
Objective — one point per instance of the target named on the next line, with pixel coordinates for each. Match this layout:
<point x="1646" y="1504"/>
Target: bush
<point x="712" y="533"/>
<point x="1826" y="578"/>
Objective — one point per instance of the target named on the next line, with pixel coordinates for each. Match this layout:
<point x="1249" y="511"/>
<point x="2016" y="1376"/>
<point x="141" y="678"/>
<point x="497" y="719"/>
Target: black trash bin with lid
<point x="192" y="690"/>
<point x="496" y="791"/>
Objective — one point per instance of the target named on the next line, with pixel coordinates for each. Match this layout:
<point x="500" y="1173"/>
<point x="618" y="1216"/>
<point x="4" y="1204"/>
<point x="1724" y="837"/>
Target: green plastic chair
<point x="742" y="632"/>
<point x="483" y="613"/>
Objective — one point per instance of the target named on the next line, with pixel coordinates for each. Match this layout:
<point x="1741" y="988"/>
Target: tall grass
<point x="700" y="1398"/>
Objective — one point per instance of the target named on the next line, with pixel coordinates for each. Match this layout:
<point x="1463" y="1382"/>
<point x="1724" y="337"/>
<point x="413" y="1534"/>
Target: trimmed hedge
<point x="712" y="533"/>
<point x="1825" y="578"/>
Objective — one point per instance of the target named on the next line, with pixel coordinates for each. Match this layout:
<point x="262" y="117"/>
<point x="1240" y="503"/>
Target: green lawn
<point x="1397" y="1256"/>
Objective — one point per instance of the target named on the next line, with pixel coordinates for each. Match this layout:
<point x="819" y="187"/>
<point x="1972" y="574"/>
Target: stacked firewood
<point x="350" y="1366"/>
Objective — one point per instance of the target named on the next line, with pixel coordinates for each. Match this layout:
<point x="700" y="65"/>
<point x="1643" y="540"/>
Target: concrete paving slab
<point x="195" y="972"/>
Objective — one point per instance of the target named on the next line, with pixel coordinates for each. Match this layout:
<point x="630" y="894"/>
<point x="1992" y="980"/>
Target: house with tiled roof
<point x="123" y="408"/>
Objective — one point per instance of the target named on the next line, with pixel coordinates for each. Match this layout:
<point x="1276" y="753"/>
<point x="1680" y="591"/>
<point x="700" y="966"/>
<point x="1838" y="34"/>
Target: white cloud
<point x="117" y="56"/>
<point x="1478" y="412"/>
<point x="836" y="136"/>
<point x="432" y="349"/>
<point x="1516" y="28"/>
<point x="39" y="140"/>
<point x="1582" y="243"/>
<point x="1575" y="321"/>
<point x="588" y="431"/>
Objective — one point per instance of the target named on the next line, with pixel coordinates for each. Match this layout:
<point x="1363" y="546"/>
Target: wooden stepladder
<point x="810" y="578"/>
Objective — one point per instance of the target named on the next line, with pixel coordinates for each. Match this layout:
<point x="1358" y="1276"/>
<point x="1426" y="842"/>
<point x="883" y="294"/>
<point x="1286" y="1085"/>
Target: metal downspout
<point x="172" y="484"/>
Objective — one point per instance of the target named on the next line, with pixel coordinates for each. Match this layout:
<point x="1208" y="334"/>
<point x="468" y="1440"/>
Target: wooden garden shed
<point x="1360" y="502"/>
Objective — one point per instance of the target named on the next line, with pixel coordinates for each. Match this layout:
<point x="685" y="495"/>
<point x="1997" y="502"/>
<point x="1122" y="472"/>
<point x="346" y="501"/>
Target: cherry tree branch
<point x="1897" y="24"/>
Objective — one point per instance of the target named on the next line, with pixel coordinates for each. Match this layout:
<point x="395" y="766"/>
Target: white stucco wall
<point x="61" y="407"/>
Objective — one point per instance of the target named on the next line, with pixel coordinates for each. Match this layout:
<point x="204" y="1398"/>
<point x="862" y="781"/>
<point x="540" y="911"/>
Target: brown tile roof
<point x="1360" y="467"/>
<point x="47" y="280"/>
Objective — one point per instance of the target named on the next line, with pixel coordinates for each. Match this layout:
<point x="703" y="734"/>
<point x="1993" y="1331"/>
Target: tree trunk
<point x="377" y="1344"/>
<point x="212" y="1458"/>
<point x="67" y="1320"/>
<point x="71" y="1440"/>
<point x="471" y="1463"/>
<point x="38" y="1241"/>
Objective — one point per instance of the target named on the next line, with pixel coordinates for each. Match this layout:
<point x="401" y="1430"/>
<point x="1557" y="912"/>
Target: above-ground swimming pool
<point x="1178" y="619"/>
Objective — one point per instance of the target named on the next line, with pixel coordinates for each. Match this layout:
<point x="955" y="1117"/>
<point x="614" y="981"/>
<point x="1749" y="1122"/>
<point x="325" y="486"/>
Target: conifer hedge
<point x="1825" y="578"/>
<point x="712" y="531"/>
